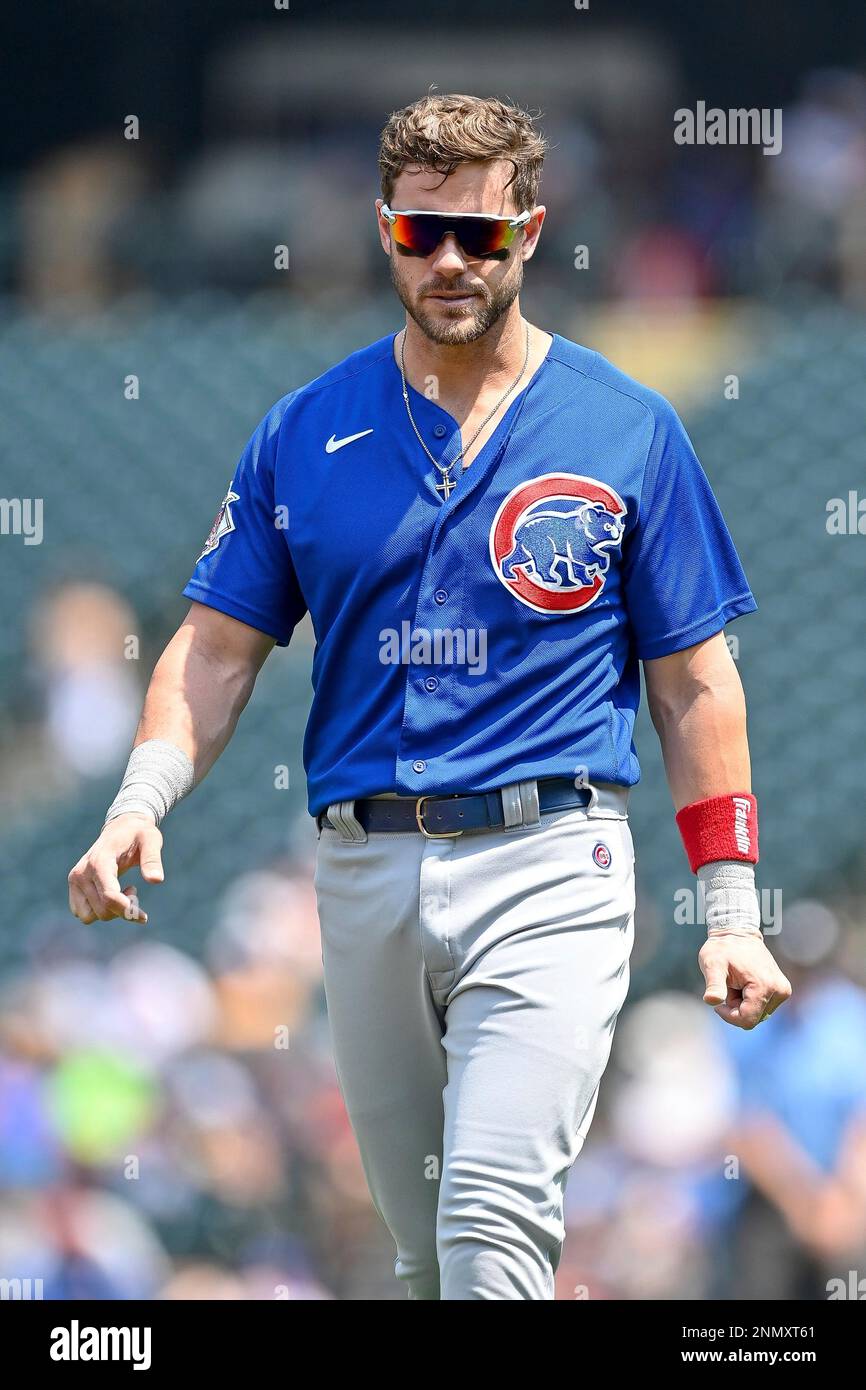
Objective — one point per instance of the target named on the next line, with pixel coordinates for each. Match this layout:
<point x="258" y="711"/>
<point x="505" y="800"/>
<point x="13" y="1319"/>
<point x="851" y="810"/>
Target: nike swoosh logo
<point x="334" y="444"/>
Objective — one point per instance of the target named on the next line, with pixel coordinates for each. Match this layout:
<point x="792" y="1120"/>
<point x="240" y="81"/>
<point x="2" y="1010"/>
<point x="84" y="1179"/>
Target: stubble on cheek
<point x="491" y="305"/>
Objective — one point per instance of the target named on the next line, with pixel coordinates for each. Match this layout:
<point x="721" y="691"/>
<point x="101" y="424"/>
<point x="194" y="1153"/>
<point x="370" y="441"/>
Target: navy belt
<point x="437" y="816"/>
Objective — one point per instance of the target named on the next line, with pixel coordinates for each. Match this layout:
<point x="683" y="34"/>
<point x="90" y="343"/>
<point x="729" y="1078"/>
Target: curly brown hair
<point x="440" y="132"/>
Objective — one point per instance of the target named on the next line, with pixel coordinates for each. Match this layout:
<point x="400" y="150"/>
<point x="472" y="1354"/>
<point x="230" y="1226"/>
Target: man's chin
<point x="450" y="327"/>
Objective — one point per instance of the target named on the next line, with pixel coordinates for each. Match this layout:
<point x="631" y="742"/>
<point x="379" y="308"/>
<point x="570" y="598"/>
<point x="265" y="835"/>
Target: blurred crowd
<point x="108" y="216"/>
<point x="171" y="1127"/>
<point x="79" y="697"/>
<point x="727" y="1164"/>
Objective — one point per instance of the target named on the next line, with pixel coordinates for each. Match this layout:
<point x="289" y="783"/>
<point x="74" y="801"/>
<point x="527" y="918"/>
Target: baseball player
<point x="491" y="528"/>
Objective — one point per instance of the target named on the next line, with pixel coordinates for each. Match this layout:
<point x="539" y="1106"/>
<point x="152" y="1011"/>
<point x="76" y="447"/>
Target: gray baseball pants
<point x="473" y="985"/>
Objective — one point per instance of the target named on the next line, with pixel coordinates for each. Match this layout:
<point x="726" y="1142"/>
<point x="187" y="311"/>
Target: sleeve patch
<point x="223" y="523"/>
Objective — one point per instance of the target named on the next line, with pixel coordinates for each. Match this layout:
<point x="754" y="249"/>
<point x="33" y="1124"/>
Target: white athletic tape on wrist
<point x="157" y="776"/>
<point x="731" y="900"/>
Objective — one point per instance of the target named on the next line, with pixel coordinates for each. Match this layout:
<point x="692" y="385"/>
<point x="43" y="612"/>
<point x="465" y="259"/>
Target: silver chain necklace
<point x="448" y="484"/>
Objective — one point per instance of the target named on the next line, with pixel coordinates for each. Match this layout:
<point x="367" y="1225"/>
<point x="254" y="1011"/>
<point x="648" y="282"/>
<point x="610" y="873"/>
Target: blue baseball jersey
<point x="469" y="642"/>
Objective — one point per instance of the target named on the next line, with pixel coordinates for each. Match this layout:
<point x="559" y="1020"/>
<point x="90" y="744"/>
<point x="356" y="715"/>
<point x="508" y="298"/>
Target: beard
<point x="474" y="323"/>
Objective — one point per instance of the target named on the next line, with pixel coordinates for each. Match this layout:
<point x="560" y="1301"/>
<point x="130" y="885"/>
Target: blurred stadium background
<point x="154" y="1142"/>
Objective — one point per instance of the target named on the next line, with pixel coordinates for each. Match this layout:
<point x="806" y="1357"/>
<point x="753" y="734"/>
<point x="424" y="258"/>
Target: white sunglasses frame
<point x="515" y="223"/>
<point x="391" y="214"/>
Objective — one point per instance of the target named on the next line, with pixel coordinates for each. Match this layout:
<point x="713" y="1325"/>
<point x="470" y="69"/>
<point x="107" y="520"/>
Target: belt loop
<point x="608" y="801"/>
<point x="341" y="815"/>
<point x="512" y="810"/>
<point x="529" y="802"/>
<point x="520" y="805"/>
<point x="582" y="783"/>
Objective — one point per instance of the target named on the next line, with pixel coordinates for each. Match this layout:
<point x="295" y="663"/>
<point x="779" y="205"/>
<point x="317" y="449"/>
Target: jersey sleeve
<point x="245" y="568"/>
<point x="682" y="576"/>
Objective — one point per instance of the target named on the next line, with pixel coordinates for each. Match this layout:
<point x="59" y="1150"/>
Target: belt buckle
<point x="431" y="834"/>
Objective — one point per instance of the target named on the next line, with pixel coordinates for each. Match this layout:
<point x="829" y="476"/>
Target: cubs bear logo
<point x="552" y="538"/>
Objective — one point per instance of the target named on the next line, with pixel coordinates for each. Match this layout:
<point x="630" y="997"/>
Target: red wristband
<point x="721" y="827"/>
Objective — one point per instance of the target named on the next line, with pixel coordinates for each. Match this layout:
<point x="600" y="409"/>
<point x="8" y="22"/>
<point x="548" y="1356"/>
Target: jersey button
<point x="440" y="595"/>
<point x="419" y="765"/>
<point x="439" y="431"/>
<point x="431" y="683"/>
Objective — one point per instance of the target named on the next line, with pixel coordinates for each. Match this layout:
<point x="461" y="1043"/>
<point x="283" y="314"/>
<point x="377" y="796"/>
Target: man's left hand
<point x="744" y="982"/>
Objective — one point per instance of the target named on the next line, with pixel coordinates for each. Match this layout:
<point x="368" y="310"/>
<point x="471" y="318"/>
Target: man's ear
<point x="531" y="232"/>
<point x="384" y="228"/>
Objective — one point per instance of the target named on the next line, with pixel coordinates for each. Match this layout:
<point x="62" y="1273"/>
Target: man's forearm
<point x="701" y="721"/>
<point x="195" y="698"/>
<point x="697" y="706"/>
<point x="200" y="685"/>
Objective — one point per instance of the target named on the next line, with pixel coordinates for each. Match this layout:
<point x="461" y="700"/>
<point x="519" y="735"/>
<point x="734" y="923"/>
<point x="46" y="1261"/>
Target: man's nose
<point x="448" y="258"/>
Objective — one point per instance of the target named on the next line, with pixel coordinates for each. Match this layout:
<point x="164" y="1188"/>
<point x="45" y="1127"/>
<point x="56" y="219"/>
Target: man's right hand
<point x="95" y="893"/>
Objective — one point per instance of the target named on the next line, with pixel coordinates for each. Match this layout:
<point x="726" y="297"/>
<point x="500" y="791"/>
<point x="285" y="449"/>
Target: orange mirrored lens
<point x="421" y="233"/>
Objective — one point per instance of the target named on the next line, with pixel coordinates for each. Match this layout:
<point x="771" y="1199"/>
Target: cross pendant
<point x="446" y="486"/>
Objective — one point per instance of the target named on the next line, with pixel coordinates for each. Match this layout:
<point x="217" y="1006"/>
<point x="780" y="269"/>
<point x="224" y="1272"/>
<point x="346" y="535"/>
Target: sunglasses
<point x="480" y="234"/>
